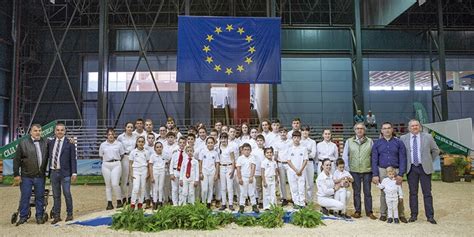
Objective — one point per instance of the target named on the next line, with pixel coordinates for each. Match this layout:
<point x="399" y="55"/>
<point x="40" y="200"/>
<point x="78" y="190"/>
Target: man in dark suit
<point x="63" y="171"/>
<point x="421" y="151"/>
<point x="29" y="170"/>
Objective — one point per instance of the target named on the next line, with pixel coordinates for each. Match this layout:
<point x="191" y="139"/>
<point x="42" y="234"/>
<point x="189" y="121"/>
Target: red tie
<point x="180" y="160"/>
<point x="188" y="168"/>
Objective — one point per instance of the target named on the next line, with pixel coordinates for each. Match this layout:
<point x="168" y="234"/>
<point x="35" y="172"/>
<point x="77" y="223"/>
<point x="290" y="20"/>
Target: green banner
<point x="449" y="146"/>
<point x="420" y="113"/>
<point x="8" y="151"/>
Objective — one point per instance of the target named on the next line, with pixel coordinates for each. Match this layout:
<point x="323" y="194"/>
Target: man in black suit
<point x="29" y="170"/>
<point x="63" y="171"/>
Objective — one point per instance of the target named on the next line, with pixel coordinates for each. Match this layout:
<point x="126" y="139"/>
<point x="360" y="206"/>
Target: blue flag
<point x="229" y="50"/>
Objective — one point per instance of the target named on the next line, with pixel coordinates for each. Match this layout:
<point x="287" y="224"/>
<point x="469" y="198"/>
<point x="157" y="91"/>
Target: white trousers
<point x="187" y="194"/>
<point x="297" y="187"/>
<point x="269" y="195"/>
<point x="158" y="186"/>
<point x="283" y="169"/>
<point x="124" y="182"/>
<point x="112" y="172"/>
<point x="227" y="185"/>
<point x="139" y="184"/>
<point x="247" y="190"/>
<point x="343" y="196"/>
<point x="207" y="186"/>
<point x="175" y="191"/>
<point x="392" y="207"/>
<point x="330" y="203"/>
<point x="309" y="176"/>
<point x="148" y="189"/>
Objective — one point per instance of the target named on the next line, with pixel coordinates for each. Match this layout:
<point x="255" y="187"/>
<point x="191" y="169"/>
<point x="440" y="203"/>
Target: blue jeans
<point x="26" y="188"/>
<point x="359" y="180"/>
<point x="58" y="182"/>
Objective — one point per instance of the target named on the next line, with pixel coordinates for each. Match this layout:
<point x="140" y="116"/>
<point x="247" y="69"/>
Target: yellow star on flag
<point x="217" y="68"/>
<point x="206" y="48"/>
<point x="218" y="30"/>
<point x="209" y="60"/>
<point x="241" y="30"/>
<point x="248" y="60"/>
<point x="229" y="28"/>
<point x="240" y="68"/>
<point x="251" y="49"/>
<point x="228" y="71"/>
<point x="210" y="38"/>
<point x="248" y="38"/>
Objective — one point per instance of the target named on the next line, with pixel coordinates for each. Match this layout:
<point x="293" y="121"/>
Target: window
<point x="389" y="80"/>
<point x="119" y="81"/>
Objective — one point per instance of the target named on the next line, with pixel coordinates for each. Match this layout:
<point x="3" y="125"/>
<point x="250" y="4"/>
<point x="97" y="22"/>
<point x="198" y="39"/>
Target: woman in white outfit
<point x="157" y="167"/>
<point x="226" y="172"/>
<point x="128" y="139"/>
<point x="327" y="149"/>
<point x="139" y="158"/>
<point x="208" y="170"/>
<point x="111" y="151"/>
<point x="327" y="188"/>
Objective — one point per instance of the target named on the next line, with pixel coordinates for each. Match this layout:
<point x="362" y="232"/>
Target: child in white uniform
<point x="128" y="139"/>
<point x="326" y="189"/>
<point x="189" y="177"/>
<point x="139" y="162"/>
<point x="150" y="148"/>
<point x="393" y="192"/>
<point x="169" y="148"/>
<point x="344" y="178"/>
<point x="297" y="160"/>
<point x="281" y="149"/>
<point x="310" y="145"/>
<point x="269" y="174"/>
<point x="177" y="159"/>
<point x="226" y="172"/>
<point x="246" y="176"/>
<point x="157" y="164"/>
<point x="208" y="167"/>
<point x="259" y="156"/>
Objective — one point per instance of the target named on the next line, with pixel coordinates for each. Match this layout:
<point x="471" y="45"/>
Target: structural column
<point x="103" y="79"/>
<point x="357" y="78"/>
<point x="442" y="64"/>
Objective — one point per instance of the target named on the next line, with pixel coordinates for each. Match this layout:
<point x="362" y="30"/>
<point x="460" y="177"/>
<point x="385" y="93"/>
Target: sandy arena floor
<point x="453" y="204"/>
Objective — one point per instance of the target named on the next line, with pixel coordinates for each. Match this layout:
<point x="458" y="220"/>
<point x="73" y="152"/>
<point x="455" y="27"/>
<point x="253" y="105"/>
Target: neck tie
<point x="56" y="154"/>
<point x="180" y="160"/>
<point x="39" y="155"/>
<point x="416" y="161"/>
<point x="188" y="168"/>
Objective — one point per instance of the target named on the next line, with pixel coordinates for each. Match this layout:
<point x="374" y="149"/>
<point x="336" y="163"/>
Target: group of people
<point x="147" y="169"/>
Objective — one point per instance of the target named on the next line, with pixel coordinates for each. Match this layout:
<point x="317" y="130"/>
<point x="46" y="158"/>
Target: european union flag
<point x="229" y="50"/>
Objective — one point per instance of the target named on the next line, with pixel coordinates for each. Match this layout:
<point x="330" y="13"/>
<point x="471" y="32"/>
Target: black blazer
<point x="25" y="162"/>
<point x="67" y="160"/>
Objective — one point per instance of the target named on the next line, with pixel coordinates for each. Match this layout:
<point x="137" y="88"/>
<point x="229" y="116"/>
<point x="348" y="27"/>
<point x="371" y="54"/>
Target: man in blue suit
<point x="63" y="171"/>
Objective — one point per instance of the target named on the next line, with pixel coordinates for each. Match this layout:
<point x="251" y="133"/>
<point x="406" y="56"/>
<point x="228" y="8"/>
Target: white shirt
<point x="235" y="144"/>
<point x="168" y="149"/>
<point x="158" y="161"/>
<point x="269" y="138"/>
<point x="325" y="185"/>
<point x="139" y="157"/>
<point x="173" y="169"/>
<point x="224" y="157"/>
<point x="297" y="155"/>
<point x="150" y="149"/>
<point x="200" y="142"/>
<point x="59" y="153"/>
<point x="370" y="119"/>
<point x="391" y="189"/>
<point x="310" y="145"/>
<point x="418" y="142"/>
<point x="111" y="151"/>
<point x="259" y="156"/>
<point x="327" y="150"/>
<point x="245" y="164"/>
<point x="194" y="174"/>
<point x="270" y="167"/>
<point x="209" y="159"/>
<point x="281" y="148"/>
<point x="162" y="140"/>
<point x="142" y="134"/>
<point x="249" y="140"/>
<point x="290" y="133"/>
<point x="128" y="142"/>
<point x="339" y="175"/>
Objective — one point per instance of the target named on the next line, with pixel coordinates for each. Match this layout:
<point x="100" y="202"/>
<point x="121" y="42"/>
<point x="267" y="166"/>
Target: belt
<point x="283" y="162"/>
<point x="112" y="160"/>
<point x="127" y="153"/>
<point x="311" y="159"/>
<point x="226" y="164"/>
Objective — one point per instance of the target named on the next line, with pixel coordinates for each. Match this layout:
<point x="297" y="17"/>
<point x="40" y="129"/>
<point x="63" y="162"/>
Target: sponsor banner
<point x="447" y="145"/>
<point x="84" y="167"/>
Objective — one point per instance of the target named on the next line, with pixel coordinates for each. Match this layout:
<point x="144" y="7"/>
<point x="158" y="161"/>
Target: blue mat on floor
<point x="107" y="220"/>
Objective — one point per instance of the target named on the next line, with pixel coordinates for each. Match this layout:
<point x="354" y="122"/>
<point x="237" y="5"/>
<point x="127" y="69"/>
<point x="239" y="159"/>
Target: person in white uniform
<point x="310" y="145"/>
<point x="226" y="172"/>
<point x="169" y="148"/>
<point x="189" y="177"/>
<point x="150" y="148"/>
<point x="259" y="156"/>
<point x="297" y="161"/>
<point x="393" y="192"/>
<point x="128" y="140"/>
<point x="111" y="151"/>
<point x="139" y="131"/>
<point x="295" y="125"/>
<point x="208" y="168"/>
<point x="267" y="132"/>
<point x="281" y="157"/>
<point x="157" y="167"/>
<point x="139" y="158"/>
<point x="149" y="127"/>
<point x="327" y="149"/>
<point x="269" y="174"/>
<point x="162" y="135"/>
<point x="344" y="178"/>
<point x="177" y="159"/>
<point x="246" y="176"/>
<point x="326" y="190"/>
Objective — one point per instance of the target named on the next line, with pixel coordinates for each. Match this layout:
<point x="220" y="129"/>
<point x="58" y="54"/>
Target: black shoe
<point x="432" y="221"/>
<point x="284" y="202"/>
<point x="338" y="214"/>
<point x="390" y="220"/>
<point x="129" y="200"/>
<point x="383" y="218"/>
<point x="255" y="209"/>
<point x="69" y="218"/>
<point x="324" y="211"/>
<point x="396" y="221"/>
<point x="403" y="219"/>
<point x="345" y="216"/>
<point x="21" y="221"/>
<point x="260" y="205"/>
<point x="119" y="204"/>
<point x="412" y="219"/>
<point x="331" y="212"/>
<point x="160" y="204"/>
<point x="154" y="206"/>
<point x="124" y="201"/>
<point x="231" y="208"/>
<point x="148" y="204"/>
<point x="241" y="209"/>
<point x="55" y="220"/>
<point x="208" y="206"/>
<point x="39" y="221"/>
<point x="109" y="206"/>
<point x="222" y="208"/>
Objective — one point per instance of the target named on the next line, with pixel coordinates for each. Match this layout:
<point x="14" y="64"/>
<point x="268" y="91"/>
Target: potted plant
<point x="460" y="166"/>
